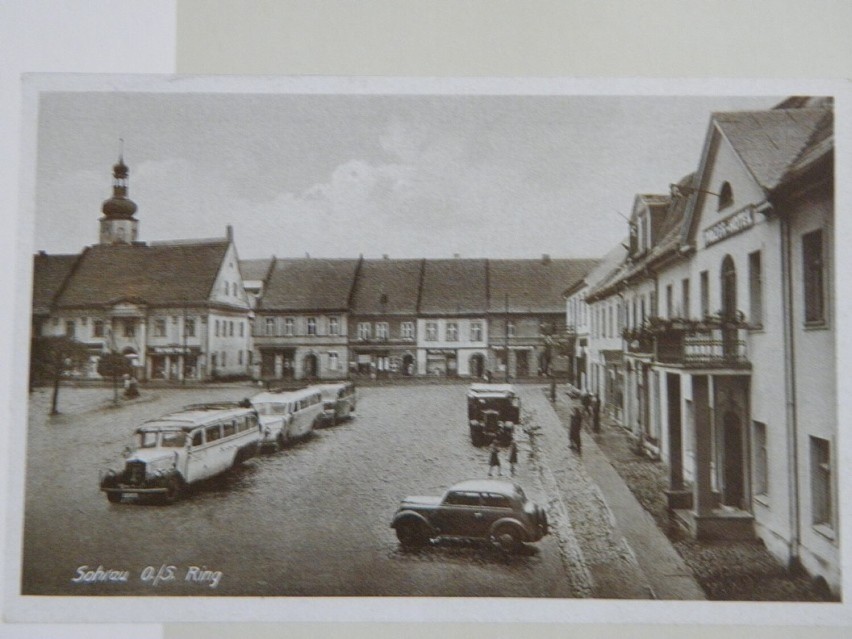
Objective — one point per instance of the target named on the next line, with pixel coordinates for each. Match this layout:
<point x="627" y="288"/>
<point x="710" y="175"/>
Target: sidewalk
<point x="625" y="553"/>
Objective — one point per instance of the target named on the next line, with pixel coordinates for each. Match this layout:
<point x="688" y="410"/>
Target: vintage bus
<point x="182" y="448"/>
<point x="287" y="415"/>
<point x="338" y="402"/>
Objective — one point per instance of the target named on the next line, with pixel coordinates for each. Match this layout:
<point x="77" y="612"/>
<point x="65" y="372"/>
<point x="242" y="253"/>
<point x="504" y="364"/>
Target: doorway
<point x="734" y="488"/>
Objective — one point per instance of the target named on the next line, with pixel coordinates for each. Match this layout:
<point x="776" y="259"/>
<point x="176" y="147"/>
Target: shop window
<point x="813" y="265"/>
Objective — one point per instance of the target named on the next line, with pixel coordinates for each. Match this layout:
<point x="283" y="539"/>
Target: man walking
<point x="596" y="413"/>
<point x="574" y="431"/>
<point x="494" y="460"/>
<point x="513" y="458"/>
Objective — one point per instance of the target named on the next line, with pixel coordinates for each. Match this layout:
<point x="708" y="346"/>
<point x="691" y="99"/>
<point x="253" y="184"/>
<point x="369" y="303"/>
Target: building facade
<point x="302" y="319"/>
<point x="175" y="310"/>
<point x="729" y="340"/>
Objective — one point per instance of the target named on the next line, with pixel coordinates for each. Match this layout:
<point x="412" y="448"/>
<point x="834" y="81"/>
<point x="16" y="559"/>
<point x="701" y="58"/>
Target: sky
<point x="344" y="175"/>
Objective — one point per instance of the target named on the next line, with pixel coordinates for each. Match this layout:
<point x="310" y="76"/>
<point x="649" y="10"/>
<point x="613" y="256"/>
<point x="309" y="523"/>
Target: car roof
<point x="501" y="486"/>
<point x="190" y="418"/>
<point x="491" y="389"/>
<point x="284" y="396"/>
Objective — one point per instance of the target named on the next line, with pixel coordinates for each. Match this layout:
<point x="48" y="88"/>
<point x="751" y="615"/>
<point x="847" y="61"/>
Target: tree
<point x="53" y="357"/>
<point x="114" y="366"/>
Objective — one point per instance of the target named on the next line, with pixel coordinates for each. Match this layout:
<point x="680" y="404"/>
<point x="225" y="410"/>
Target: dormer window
<point x="726" y="195"/>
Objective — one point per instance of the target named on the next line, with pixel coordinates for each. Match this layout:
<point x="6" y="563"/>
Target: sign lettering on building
<point x="731" y="225"/>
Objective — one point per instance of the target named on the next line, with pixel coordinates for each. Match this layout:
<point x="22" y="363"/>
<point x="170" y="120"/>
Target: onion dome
<point x="119" y="205"/>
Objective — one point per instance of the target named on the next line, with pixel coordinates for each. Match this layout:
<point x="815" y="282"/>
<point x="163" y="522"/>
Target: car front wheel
<point x="507" y="538"/>
<point x="412" y="534"/>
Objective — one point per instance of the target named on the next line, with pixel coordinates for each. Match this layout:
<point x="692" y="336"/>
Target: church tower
<point x="118" y="226"/>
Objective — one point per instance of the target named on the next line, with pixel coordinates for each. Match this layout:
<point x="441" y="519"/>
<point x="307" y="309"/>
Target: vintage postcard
<point x="392" y="349"/>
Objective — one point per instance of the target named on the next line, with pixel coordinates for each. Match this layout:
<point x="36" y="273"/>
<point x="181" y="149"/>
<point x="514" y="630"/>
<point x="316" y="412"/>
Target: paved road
<point x="310" y="520"/>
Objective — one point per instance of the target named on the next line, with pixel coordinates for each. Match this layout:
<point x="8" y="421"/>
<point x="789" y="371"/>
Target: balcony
<point x="707" y="348"/>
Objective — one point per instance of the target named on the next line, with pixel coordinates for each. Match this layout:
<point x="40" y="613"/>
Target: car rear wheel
<point x="412" y="534"/>
<point x="507" y="537"/>
<point x="114" y="498"/>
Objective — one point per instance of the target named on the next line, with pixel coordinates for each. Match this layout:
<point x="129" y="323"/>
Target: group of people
<point x="590" y="406"/>
<point x="494" y="459"/>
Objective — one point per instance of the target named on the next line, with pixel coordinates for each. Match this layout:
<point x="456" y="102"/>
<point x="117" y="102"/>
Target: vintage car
<point x="287" y="415"/>
<point x="492" y="509"/>
<point x="493" y="411"/>
<point x="338" y="402"/>
<point x="182" y="448"/>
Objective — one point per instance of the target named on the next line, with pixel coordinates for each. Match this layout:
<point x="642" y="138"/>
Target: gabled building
<point x="383" y="318"/>
<point x="176" y="310"/>
<point x="452" y="324"/>
<point x="301" y="320"/>
<point x="526" y="305"/>
<point x="729" y="340"/>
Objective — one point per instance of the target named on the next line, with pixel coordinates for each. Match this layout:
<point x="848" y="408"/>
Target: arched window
<point x="726" y="195"/>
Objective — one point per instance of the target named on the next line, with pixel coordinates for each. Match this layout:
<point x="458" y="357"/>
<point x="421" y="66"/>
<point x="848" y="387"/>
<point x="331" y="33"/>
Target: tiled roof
<point x="387" y="287"/>
<point x="255" y="269"/>
<point x="309" y="284"/>
<point x="768" y="142"/>
<point x="454" y="287"/>
<point x="49" y="274"/>
<point x="155" y="274"/>
<point x="533" y="285"/>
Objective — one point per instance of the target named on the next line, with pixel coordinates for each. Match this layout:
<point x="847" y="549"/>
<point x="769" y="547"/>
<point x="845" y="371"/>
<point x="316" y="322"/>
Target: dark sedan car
<point x="492" y="509"/>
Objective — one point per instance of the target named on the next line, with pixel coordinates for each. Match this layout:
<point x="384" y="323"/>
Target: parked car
<point x="493" y="411"/>
<point x="287" y="416"/>
<point x="493" y="509"/>
<point x="338" y="402"/>
<point x="182" y="448"/>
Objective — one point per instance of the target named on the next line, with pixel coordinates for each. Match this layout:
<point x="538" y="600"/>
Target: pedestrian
<point x="596" y="413"/>
<point x="576" y="427"/>
<point x="513" y="458"/>
<point x="494" y="460"/>
<point x="586" y="400"/>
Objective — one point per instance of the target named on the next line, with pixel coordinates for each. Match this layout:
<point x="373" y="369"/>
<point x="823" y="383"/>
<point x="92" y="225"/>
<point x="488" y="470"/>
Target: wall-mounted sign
<point x="736" y="223"/>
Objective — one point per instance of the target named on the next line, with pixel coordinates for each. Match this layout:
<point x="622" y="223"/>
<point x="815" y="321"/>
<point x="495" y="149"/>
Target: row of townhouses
<point x="709" y="334"/>
<point x="192" y="310"/>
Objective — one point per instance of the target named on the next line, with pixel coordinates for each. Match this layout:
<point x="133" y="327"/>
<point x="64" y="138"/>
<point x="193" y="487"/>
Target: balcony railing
<point x="720" y="347"/>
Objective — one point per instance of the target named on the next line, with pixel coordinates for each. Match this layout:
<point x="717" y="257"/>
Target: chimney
<point x="229" y="233"/>
<point x="42" y="253"/>
<point x="545" y="258"/>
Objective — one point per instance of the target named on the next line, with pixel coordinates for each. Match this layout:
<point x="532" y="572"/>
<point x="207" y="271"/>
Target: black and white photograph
<point x="312" y="338"/>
